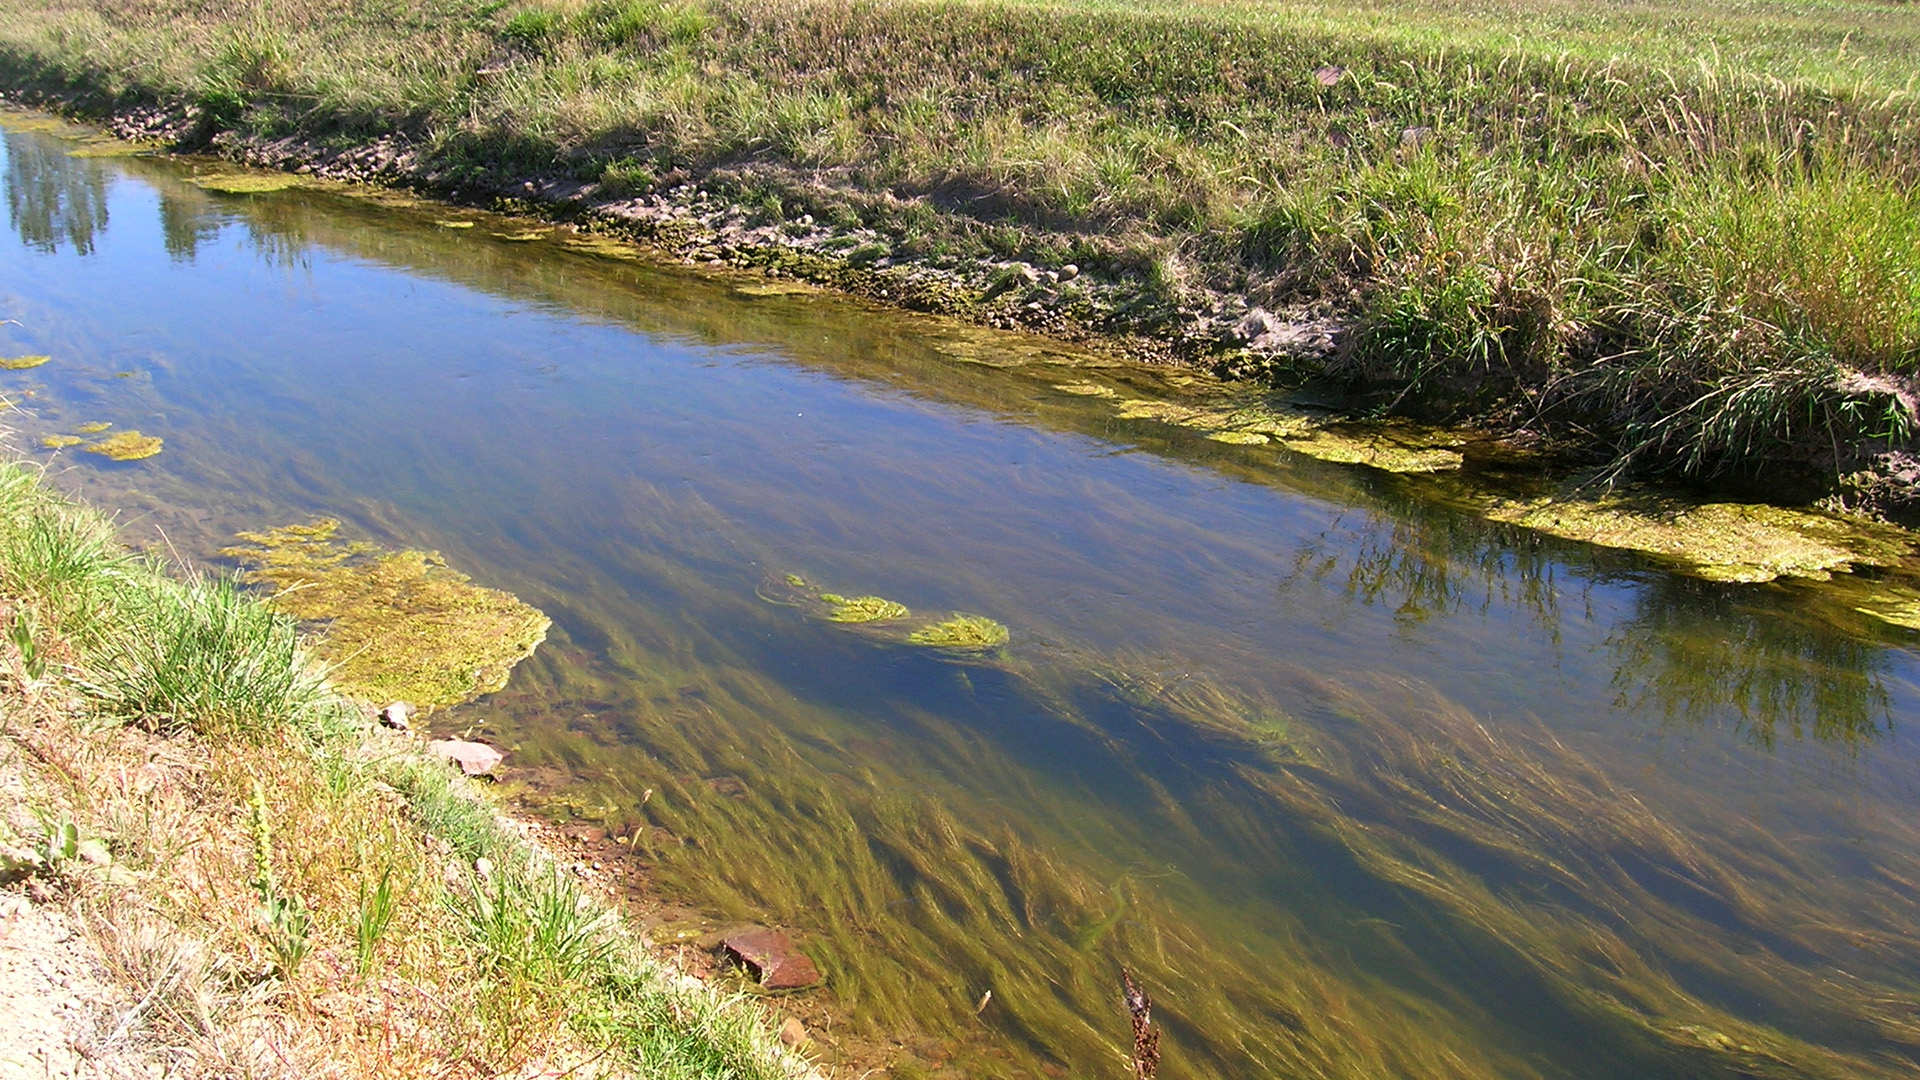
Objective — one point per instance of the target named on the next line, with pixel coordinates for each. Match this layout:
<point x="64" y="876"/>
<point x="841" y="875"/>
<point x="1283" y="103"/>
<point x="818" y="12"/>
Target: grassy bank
<point x="1686" y="237"/>
<point x="277" y="889"/>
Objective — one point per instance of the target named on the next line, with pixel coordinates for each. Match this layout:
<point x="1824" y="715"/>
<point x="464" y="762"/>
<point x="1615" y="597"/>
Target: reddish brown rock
<point x="770" y="955"/>
<point x="474" y="759"/>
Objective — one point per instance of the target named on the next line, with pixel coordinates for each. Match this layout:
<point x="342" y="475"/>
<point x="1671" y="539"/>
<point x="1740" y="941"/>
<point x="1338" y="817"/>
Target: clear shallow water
<point x="1359" y="786"/>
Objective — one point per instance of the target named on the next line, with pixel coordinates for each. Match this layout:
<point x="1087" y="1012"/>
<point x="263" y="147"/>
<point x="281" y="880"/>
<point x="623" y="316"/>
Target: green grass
<point x="1681" y="230"/>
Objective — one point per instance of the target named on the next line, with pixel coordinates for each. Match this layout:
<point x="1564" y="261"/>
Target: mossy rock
<point x="22" y="363"/>
<point x="1733" y="542"/>
<point x="961" y="632"/>
<point x="395" y="625"/>
<point x="248" y="183"/>
<point x="128" y="445"/>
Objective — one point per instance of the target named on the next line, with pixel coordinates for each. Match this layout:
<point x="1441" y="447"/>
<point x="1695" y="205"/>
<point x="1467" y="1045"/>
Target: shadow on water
<point x="1358" y="784"/>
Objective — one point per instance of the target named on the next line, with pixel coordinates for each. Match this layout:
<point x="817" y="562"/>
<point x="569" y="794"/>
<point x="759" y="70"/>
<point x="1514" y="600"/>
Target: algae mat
<point x="393" y="624"/>
<point x="1730" y="542"/>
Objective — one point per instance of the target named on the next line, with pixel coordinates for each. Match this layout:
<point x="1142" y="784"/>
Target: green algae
<point x="1390" y="447"/>
<point x="1239" y="438"/>
<point x="522" y="237"/>
<point x="393" y="624"/>
<point x="22" y="363"/>
<point x="1086" y="389"/>
<point x="1730" y="542"/>
<point x="248" y="183"/>
<point x="961" y="631"/>
<point x="128" y="445"/>
<point x="605" y="247"/>
<point x="94" y="427"/>
<point x="1383" y="450"/>
<point x="776" y="288"/>
<point x="110" y="148"/>
<point x="452" y="223"/>
<point x="1897" y="609"/>
<point x="863" y="609"/>
<point x="57" y="442"/>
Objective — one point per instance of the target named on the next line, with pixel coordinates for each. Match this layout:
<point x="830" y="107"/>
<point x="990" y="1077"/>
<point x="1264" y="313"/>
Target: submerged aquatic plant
<point x="394" y="624"/>
<point x="862" y="609"/>
<point x="248" y="183"/>
<point x="961" y="631"/>
<point x="57" y="442"/>
<point x="128" y="445"/>
<point x="1085" y="389"/>
<point x="22" y="363"/>
<point x="94" y="428"/>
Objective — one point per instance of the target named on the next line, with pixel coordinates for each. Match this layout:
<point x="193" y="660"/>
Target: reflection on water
<point x="1359" y="785"/>
<point x="51" y="197"/>
<point x="1692" y="651"/>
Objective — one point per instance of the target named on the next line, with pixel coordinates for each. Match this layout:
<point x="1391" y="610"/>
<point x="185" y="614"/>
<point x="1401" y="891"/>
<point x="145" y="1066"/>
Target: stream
<point x="1356" y="783"/>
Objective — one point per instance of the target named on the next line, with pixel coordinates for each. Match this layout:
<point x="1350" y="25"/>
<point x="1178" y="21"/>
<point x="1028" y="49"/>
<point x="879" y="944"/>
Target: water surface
<point x="1359" y="785"/>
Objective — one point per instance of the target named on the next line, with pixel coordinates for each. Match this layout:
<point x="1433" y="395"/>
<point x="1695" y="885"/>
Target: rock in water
<point x="474" y="759"/>
<point x="770" y="955"/>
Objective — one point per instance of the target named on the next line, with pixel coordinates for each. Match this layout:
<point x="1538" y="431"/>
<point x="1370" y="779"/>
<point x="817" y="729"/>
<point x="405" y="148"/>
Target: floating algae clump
<point x="394" y="624"/>
<point x="22" y="363"/>
<point x="1392" y="448"/>
<point x="94" y="428"/>
<point x="128" y="445"/>
<point x="961" y="631"/>
<point x="1379" y="450"/>
<point x="56" y="442"/>
<point x="248" y="183"/>
<point x="860" y="609"/>
<point x="1717" y="541"/>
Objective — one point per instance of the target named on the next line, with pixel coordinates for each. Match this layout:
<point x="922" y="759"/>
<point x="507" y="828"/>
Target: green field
<point x="1683" y="235"/>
